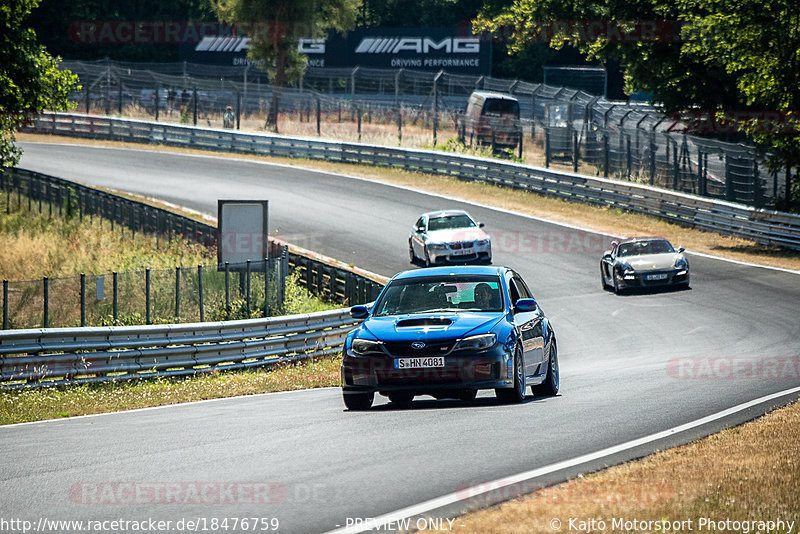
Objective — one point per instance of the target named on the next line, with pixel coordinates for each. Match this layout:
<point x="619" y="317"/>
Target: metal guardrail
<point x="726" y="218"/>
<point x="55" y="356"/>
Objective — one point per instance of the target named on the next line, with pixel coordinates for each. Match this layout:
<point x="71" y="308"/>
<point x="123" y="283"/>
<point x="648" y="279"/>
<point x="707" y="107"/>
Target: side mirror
<point x="420" y="229"/>
<point x="614" y="244"/>
<point x="481" y="225"/>
<point x="359" y="312"/>
<point x="526" y="305"/>
<point x="681" y="249"/>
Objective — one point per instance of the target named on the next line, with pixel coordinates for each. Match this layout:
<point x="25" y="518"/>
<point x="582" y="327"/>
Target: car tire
<point x="552" y="380"/>
<point x="411" y="256"/>
<point x="606" y="287"/>
<point x="358" y="402"/>
<point x="403" y="400"/>
<point x="467" y="395"/>
<point x="617" y="290"/>
<point x="516" y="394"/>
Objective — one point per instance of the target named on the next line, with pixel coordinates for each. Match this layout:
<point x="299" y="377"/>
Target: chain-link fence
<point x="561" y="128"/>
<point x="149" y="296"/>
<point x="184" y="294"/>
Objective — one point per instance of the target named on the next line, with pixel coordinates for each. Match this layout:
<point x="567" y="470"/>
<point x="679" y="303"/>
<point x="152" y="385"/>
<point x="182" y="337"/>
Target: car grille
<point x="462" y="244"/>
<point x="430" y="349"/>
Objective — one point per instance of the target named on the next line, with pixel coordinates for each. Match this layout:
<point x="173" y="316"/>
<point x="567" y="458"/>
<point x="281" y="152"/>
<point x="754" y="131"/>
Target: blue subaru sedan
<point x="449" y="332"/>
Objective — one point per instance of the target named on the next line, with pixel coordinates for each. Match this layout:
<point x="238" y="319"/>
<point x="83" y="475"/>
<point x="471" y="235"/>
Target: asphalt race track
<point x="631" y="366"/>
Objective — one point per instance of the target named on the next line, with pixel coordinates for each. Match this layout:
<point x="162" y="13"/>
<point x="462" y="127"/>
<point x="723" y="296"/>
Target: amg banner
<point x="451" y="49"/>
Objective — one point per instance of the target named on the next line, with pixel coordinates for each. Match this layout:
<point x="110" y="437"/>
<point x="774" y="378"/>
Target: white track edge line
<point x="494" y="485"/>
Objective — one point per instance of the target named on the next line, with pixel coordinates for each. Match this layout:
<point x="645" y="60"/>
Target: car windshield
<point x="501" y="106"/>
<point x="441" y="293"/>
<point x="450" y="222"/>
<point x="638" y="248"/>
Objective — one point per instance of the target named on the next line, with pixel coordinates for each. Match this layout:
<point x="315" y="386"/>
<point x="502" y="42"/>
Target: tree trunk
<point x="277" y="84"/>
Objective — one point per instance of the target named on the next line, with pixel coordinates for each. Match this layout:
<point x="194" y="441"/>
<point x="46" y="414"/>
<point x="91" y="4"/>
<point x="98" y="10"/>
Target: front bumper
<point x="489" y="369"/>
<point x="449" y="255"/>
<point x="672" y="277"/>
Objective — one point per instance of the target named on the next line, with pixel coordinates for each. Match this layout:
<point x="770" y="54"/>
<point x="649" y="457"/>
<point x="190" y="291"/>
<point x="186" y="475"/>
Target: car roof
<point x="489" y="94"/>
<point x="445" y="213"/>
<point x="452" y="269"/>
<point x="643" y="238"/>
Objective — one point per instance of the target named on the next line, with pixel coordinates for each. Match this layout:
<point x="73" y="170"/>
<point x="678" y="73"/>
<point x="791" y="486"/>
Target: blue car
<point x="448" y="332"/>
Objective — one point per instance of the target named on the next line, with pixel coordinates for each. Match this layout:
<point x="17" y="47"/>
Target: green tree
<point x="760" y="48"/>
<point x="30" y="81"/>
<point x="275" y="28"/>
<point x="716" y="56"/>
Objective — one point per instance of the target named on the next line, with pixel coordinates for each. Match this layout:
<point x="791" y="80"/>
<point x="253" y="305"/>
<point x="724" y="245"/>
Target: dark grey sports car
<point x="643" y="262"/>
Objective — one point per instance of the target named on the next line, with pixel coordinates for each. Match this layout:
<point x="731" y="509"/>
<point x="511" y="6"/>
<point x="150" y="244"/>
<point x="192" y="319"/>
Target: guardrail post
<point x="88" y="90"/>
<point x="83" y="299"/>
<point x="200" y="291"/>
<point x="605" y="154"/>
<point x="5" y="304"/>
<point x="46" y="311"/>
<point x="115" y="294"/>
<point x="147" y="295"/>
<point x="177" y="293"/>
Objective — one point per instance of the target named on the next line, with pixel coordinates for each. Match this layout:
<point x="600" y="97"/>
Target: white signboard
<point x="243" y="233"/>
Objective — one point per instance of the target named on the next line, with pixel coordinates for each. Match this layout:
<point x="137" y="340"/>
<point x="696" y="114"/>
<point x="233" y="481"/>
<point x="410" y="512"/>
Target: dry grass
<point x="751" y="472"/>
<point x="51" y="403"/>
<point x="36" y="245"/>
<point x="604" y="220"/>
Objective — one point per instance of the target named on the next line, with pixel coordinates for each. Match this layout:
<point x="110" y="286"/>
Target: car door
<point x="418" y="237"/>
<point x="608" y="263"/>
<point x="529" y="325"/>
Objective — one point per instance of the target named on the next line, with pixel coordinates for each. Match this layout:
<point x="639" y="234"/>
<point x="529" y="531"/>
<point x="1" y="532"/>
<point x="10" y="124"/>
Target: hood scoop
<point x="425" y="321"/>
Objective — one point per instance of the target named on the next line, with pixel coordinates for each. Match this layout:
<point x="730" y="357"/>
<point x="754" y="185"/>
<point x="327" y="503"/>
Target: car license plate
<point x="662" y="276"/>
<point x="418" y="363"/>
<point x="462" y="252"/>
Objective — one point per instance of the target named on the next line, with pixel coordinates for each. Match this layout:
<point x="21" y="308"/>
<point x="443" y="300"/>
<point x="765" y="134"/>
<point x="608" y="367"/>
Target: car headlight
<point x="681" y="264"/>
<point x="366" y="346"/>
<point x="479" y="342"/>
<point x="626" y="267"/>
<point x="437" y="246"/>
<point x="482" y="242"/>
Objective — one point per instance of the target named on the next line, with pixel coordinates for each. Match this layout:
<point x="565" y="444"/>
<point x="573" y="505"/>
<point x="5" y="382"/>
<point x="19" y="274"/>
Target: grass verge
<point x="68" y="401"/>
<point x="611" y="221"/>
<point x="747" y="473"/>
